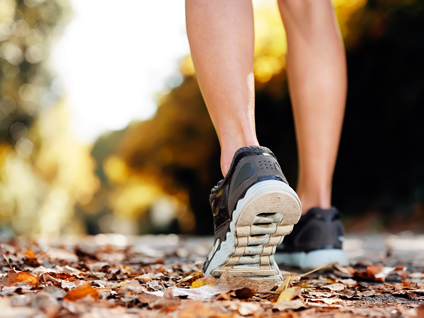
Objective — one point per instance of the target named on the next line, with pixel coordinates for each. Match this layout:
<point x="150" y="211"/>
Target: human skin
<point x="221" y="37"/>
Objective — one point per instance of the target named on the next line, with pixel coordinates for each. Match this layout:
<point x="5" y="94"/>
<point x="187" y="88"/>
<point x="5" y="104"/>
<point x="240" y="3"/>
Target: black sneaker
<point x="253" y="208"/>
<point x="316" y="240"/>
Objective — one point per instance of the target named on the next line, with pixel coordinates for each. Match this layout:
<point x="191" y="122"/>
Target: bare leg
<point x="221" y="37"/>
<point x="317" y="78"/>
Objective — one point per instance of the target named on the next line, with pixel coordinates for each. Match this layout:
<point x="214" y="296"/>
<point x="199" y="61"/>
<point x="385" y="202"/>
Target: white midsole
<point x="228" y="246"/>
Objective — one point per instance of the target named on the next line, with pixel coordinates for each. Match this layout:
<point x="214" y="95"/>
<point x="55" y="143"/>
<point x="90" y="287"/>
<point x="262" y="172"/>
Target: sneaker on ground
<point x="253" y="209"/>
<point x="315" y="241"/>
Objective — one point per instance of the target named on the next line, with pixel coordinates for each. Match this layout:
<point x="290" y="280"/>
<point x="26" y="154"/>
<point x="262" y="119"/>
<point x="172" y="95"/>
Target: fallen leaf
<point x="227" y="281"/>
<point x="132" y="286"/>
<point x="14" y="278"/>
<point x="223" y="296"/>
<point x="284" y="285"/>
<point x="30" y="254"/>
<point x="292" y="304"/>
<point x="98" y="266"/>
<point x="370" y="273"/>
<point x="198" y="309"/>
<point x="344" y="269"/>
<point x="244" y="293"/>
<point x="82" y="291"/>
<point x="335" y="287"/>
<point x="55" y="291"/>
<point x="48" y="279"/>
<point x="208" y="280"/>
<point x="187" y="281"/>
<point x="147" y="299"/>
<point x="420" y="311"/>
<point x="327" y="301"/>
<point x="204" y="293"/>
<point x="46" y="302"/>
<point x="246" y="309"/>
<point x="167" y="303"/>
<point x="348" y="282"/>
<point x="289" y="294"/>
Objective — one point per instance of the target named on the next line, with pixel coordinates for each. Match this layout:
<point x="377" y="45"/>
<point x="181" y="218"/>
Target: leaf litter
<point x="91" y="278"/>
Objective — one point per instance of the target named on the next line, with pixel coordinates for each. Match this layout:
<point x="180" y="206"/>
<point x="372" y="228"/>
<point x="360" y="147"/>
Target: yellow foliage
<point x="265" y="67"/>
<point x="134" y="198"/>
<point x="187" y="66"/>
<point x="38" y="192"/>
<point x="270" y="41"/>
<point x="116" y="169"/>
<point x="344" y="10"/>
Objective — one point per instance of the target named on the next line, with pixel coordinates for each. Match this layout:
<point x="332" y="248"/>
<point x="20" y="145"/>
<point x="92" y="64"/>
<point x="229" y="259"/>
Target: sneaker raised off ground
<point x="253" y="209"/>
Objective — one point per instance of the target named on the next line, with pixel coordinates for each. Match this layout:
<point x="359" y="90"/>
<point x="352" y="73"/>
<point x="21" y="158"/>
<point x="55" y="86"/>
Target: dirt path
<point x="159" y="276"/>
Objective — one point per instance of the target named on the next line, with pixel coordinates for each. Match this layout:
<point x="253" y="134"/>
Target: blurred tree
<point x="44" y="171"/>
<point x="27" y="29"/>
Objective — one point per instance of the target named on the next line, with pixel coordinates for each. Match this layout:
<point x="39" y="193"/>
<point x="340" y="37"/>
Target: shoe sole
<point x="259" y="223"/>
<point x="313" y="259"/>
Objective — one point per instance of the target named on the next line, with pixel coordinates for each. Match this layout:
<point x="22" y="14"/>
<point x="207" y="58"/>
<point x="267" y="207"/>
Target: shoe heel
<point x="262" y="218"/>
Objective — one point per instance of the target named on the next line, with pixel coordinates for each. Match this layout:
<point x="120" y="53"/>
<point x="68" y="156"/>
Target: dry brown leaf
<point x="227" y="281"/>
<point x="289" y="294"/>
<point x="244" y="293"/>
<point x="14" y="278"/>
<point x="344" y="269"/>
<point x="246" y="309"/>
<point x="292" y="304"/>
<point x="224" y="296"/>
<point x="30" y="254"/>
<point x="370" y="273"/>
<point x="196" y="309"/>
<point x="82" y="291"/>
<point x="420" y="311"/>
<point x="327" y="301"/>
<point x="335" y="287"/>
<point x="348" y="282"/>
<point x="148" y="299"/>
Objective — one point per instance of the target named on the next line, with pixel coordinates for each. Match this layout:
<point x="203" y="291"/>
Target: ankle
<point x="314" y="199"/>
<point x="228" y="151"/>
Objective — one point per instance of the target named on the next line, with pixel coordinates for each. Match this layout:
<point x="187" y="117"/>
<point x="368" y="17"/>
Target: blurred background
<point x="103" y="128"/>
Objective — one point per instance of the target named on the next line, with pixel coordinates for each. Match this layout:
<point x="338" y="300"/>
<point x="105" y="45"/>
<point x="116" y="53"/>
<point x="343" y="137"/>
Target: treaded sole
<point x="312" y="259"/>
<point x="259" y="223"/>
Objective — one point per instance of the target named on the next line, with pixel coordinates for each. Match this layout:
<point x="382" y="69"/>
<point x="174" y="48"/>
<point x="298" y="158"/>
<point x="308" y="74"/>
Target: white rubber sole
<point x="259" y="223"/>
<point x="312" y="259"/>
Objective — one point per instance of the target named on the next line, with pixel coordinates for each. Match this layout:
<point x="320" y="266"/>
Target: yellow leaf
<point x="208" y="280"/>
<point x="289" y="294"/>
<point x="283" y="285"/>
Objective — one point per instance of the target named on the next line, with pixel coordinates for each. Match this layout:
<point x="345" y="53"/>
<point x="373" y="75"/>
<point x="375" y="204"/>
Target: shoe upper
<point x="250" y="165"/>
<point x="318" y="229"/>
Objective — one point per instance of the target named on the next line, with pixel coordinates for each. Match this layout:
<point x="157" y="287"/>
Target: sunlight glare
<point x="114" y="57"/>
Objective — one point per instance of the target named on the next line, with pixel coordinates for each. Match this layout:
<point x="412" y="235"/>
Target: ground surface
<point x="159" y="276"/>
